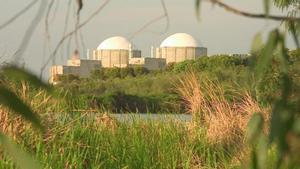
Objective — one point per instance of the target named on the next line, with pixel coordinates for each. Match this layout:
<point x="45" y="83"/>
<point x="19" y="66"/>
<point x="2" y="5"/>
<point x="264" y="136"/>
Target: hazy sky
<point x="218" y="30"/>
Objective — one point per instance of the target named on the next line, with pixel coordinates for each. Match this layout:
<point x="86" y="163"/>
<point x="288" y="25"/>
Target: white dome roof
<point x="116" y="42"/>
<point x="179" y="40"/>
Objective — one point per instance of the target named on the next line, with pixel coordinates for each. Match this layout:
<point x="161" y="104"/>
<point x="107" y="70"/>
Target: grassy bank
<point x="137" y="90"/>
<point x="105" y="143"/>
<point x="215" y="91"/>
<point x="215" y="138"/>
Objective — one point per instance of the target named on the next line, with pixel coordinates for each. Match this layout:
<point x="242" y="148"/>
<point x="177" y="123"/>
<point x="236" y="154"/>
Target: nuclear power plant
<point x="118" y="52"/>
<point x="180" y="47"/>
<point x="115" y="52"/>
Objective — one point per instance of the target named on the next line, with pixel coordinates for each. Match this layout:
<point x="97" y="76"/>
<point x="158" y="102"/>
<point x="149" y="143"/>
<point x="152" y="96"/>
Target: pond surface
<point x="162" y="117"/>
<point x="127" y="118"/>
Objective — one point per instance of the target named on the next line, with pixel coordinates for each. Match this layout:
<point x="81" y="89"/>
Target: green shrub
<point x="152" y="90"/>
<point x="119" y="102"/>
<point x="211" y="63"/>
<point x="139" y="70"/>
<point x="67" y="78"/>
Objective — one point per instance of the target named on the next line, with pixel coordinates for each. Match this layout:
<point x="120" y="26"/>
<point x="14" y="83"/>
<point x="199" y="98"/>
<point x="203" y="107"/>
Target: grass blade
<point x="22" y="159"/>
<point x="13" y="102"/>
<point x="16" y="73"/>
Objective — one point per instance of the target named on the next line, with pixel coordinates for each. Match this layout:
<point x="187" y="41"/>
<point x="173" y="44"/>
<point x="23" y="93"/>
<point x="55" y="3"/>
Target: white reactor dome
<point x="115" y="43"/>
<point x="179" y="40"/>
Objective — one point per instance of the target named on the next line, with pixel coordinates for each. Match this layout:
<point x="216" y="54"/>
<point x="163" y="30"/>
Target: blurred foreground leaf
<point x="80" y="5"/>
<point x="267" y="53"/>
<point x="262" y="149"/>
<point x="267" y="7"/>
<point x="22" y="159"/>
<point x="257" y="43"/>
<point x="296" y="126"/>
<point x="15" y="73"/>
<point x="197" y="5"/>
<point x="295" y="35"/>
<point x="254" y="127"/>
<point x="13" y="102"/>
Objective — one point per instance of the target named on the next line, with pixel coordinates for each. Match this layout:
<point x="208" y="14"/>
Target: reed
<point x="225" y="119"/>
<point x="96" y="140"/>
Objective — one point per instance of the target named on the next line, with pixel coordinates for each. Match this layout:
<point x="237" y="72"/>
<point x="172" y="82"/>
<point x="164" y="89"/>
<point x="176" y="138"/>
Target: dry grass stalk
<point x="189" y="88"/>
<point x="13" y="126"/>
<point x="241" y="158"/>
<point x="192" y="129"/>
<point x="248" y="107"/>
<point x="225" y="121"/>
<point x="106" y="121"/>
<point x="196" y="162"/>
<point x="222" y="129"/>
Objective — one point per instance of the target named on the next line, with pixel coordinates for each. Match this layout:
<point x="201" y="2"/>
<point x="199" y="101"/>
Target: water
<point x="129" y="118"/>
<point x="160" y="117"/>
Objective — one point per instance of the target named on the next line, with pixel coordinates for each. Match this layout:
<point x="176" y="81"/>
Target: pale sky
<point x="218" y="30"/>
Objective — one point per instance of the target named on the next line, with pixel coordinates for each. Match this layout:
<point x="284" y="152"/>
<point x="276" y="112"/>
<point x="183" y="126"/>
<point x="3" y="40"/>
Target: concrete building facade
<point x="149" y="63"/>
<point x="75" y="66"/>
<point x="117" y="51"/>
<point x="180" y="47"/>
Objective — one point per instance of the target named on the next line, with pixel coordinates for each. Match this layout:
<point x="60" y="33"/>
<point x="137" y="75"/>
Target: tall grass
<point x="214" y="139"/>
<point x="39" y="101"/>
<point x="101" y="142"/>
<point x="82" y="140"/>
<point x="225" y="116"/>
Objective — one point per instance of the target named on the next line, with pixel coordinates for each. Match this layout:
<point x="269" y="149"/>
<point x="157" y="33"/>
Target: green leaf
<point x="13" y="102"/>
<point x="254" y="161"/>
<point x="294" y="33"/>
<point x="283" y="56"/>
<point x="197" y="8"/>
<point x="22" y="159"/>
<point x="267" y="54"/>
<point x="296" y="126"/>
<point x="254" y="127"/>
<point x="262" y="150"/>
<point x="276" y="122"/>
<point x="257" y="43"/>
<point x="280" y="124"/>
<point x="267" y="7"/>
<point x="13" y="72"/>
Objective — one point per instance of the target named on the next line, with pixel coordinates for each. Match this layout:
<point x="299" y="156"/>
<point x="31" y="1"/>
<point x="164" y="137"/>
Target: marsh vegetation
<point x="215" y="91"/>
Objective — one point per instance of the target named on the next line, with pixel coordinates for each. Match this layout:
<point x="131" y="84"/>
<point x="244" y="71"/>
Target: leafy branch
<point x="249" y="14"/>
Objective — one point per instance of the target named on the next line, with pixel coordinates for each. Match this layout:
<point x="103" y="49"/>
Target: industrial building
<point x="117" y="51"/>
<point x="149" y="63"/>
<point x="180" y="47"/>
<point x="75" y="66"/>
